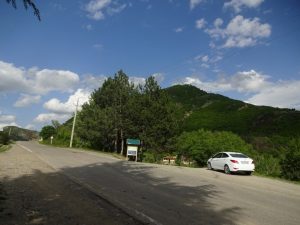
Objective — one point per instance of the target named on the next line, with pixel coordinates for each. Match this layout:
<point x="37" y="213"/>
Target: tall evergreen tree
<point x="157" y="117"/>
<point x="109" y="103"/>
<point x="118" y="110"/>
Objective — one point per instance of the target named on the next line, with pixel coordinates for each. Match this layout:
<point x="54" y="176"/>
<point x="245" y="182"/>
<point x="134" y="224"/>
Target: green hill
<point x="20" y="134"/>
<point x="217" y="112"/>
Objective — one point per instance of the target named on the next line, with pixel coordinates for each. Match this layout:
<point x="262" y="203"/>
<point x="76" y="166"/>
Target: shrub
<point x="291" y="163"/>
<point x="4" y="138"/>
<point x="200" y="145"/>
<point x="267" y="165"/>
<point x="47" y="132"/>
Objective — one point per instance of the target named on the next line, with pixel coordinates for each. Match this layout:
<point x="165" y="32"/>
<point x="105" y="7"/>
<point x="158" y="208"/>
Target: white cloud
<point x="90" y="82"/>
<point x="240" y="32"/>
<point x="30" y="127"/>
<point x="98" y="46"/>
<point x="237" y="5"/>
<point x="206" y="61"/>
<point x="95" y="9"/>
<point x="89" y="27"/>
<point x="249" y="81"/>
<point x="116" y="9"/>
<point x="218" y="22"/>
<point x="284" y="94"/>
<point x="209" y="86"/>
<point x="178" y="29"/>
<point x="243" y="82"/>
<point x="47" y="117"/>
<point x="55" y="80"/>
<point x="56" y="106"/>
<point x="159" y="77"/>
<point x="205" y="58"/>
<point x="195" y="3"/>
<point x="34" y="81"/>
<point x="200" y="23"/>
<point x="98" y="8"/>
<point x="12" y="78"/>
<point x="62" y="111"/>
<point x="7" y="120"/>
<point x="137" y="80"/>
<point x="27" y="100"/>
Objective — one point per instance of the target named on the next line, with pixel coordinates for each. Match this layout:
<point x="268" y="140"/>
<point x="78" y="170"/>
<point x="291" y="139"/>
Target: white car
<point x="231" y="162"/>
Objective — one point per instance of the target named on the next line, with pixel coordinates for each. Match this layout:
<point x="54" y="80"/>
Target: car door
<point x="215" y="161"/>
<point x="223" y="160"/>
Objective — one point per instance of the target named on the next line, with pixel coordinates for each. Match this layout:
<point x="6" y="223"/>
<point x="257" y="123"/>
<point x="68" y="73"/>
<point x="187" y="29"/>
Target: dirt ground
<point x="31" y="192"/>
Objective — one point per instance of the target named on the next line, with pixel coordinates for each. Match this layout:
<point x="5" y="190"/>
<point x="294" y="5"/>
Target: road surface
<point x="159" y="194"/>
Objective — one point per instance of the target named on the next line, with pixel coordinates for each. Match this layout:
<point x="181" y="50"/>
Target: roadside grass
<point x="4" y="148"/>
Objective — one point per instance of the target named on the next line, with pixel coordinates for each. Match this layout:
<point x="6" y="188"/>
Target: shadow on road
<point x="122" y="188"/>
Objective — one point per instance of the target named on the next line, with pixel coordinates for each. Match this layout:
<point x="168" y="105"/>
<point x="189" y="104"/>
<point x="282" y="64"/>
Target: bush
<point x="152" y="157"/>
<point x="267" y="165"/>
<point x="4" y="138"/>
<point x="47" y="132"/>
<point x="200" y="145"/>
<point x="291" y="163"/>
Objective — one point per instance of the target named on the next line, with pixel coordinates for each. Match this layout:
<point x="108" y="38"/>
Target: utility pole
<point x="73" y="127"/>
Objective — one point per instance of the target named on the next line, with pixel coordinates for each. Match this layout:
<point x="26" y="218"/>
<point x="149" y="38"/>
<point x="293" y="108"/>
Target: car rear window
<point x="238" y="155"/>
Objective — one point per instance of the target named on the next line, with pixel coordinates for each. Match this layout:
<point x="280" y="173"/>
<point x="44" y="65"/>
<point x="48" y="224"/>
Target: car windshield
<point x="238" y="155"/>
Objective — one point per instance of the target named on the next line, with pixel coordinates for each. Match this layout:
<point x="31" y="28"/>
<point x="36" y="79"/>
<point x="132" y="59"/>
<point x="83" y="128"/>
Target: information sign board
<point x="133" y="142"/>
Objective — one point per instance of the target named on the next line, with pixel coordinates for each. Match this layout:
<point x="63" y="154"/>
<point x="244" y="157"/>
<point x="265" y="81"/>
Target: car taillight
<point x="234" y="161"/>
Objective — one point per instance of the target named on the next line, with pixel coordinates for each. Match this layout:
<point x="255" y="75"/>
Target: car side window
<point x="218" y="155"/>
<point x="224" y="155"/>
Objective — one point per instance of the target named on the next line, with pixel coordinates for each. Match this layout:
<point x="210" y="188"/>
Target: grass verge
<point x="4" y="148"/>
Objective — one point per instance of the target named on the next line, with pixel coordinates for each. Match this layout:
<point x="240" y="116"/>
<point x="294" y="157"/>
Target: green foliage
<point x="200" y="145"/>
<point x="104" y="122"/>
<point x="95" y="127"/>
<point x="149" y="157"/>
<point x="291" y="163"/>
<point x="4" y="138"/>
<point x="20" y="134"/>
<point x="216" y="112"/>
<point x="266" y="164"/>
<point x="118" y="111"/>
<point x="156" y="118"/>
<point x="47" y="132"/>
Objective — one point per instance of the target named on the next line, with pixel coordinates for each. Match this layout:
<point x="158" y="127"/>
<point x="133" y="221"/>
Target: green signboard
<point x="133" y="142"/>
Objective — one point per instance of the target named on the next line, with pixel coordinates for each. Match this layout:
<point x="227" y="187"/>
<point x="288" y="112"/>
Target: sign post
<point x="132" y="148"/>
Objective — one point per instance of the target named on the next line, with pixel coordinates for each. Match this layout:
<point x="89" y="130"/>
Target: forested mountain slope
<point x="216" y="112"/>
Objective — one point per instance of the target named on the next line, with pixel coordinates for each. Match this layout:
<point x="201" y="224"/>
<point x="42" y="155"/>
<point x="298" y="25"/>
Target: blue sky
<point x="244" y="49"/>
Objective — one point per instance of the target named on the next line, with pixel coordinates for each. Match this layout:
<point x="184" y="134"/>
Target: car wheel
<point x="248" y="173"/>
<point x="227" y="169"/>
<point x="209" y="166"/>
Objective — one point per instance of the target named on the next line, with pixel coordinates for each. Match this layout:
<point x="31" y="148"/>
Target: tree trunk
<point x="116" y="142"/>
<point x="122" y="143"/>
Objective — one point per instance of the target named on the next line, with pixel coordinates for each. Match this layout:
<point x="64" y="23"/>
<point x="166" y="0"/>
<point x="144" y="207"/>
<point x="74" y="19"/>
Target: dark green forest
<point x="185" y="121"/>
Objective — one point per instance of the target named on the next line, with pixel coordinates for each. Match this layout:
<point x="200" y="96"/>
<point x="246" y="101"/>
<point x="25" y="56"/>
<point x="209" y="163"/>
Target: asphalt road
<point x="158" y="194"/>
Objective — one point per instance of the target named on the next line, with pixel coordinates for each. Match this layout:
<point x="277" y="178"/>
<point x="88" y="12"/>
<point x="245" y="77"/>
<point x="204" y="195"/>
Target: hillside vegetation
<point x="184" y="121"/>
<point x="216" y="112"/>
<point x="20" y="134"/>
